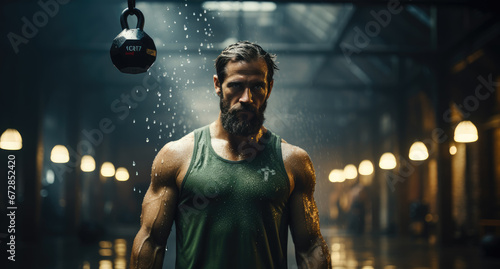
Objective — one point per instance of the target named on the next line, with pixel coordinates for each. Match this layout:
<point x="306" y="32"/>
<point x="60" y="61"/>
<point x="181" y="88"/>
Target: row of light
<point x="11" y="140"/>
<point x="466" y="132"/>
<point x="60" y="154"/>
<point x="351" y="172"/>
<point x="247" y="6"/>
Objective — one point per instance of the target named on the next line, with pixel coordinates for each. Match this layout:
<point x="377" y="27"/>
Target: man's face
<point x="243" y="96"/>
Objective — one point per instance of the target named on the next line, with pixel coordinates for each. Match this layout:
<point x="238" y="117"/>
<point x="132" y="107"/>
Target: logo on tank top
<point x="266" y="171"/>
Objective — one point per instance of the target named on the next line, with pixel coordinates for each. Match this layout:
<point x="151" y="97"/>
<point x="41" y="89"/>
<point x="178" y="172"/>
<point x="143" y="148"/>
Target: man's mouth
<point x="246" y="114"/>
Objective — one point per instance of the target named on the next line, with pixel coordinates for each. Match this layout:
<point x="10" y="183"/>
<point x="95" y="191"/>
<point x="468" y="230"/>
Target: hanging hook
<point x="131" y="4"/>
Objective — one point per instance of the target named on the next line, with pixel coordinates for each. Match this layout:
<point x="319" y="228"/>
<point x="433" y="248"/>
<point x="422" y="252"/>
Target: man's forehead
<point x="253" y="67"/>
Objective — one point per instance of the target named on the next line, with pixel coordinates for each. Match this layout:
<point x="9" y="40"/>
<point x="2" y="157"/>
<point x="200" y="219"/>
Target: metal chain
<point x="131" y="4"/>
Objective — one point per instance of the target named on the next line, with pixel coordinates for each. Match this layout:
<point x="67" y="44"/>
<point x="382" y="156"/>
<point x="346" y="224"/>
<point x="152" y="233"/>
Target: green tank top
<point x="233" y="214"/>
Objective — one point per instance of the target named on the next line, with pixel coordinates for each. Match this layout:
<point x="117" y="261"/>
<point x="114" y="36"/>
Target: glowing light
<point x="105" y="252"/>
<point x="121" y="247"/>
<point x="87" y="163"/>
<point x="466" y="132"/>
<point x="11" y="140"/>
<point x="122" y="174"/>
<point x="59" y="154"/>
<point x="453" y="150"/>
<point x="337" y="175"/>
<point x="248" y="6"/>
<point x="350" y="171"/>
<point x="365" y="168"/>
<point x="418" y="152"/>
<point x="105" y="264"/>
<point x="107" y="169"/>
<point x="387" y="161"/>
<point x="50" y="176"/>
<point x="105" y="244"/>
<point x="120" y="263"/>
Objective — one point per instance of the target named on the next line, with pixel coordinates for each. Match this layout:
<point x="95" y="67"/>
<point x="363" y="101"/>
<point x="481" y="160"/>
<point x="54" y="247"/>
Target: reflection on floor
<point x="365" y="252"/>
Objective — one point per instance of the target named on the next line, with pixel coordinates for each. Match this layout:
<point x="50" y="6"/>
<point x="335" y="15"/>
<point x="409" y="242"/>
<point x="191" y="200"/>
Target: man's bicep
<point x="311" y="250"/>
<point x="158" y="211"/>
<point x="304" y="220"/>
<point x="160" y="204"/>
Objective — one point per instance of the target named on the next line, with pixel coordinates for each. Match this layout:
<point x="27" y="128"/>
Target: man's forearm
<point x="318" y="257"/>
<point x="146" y="255"/>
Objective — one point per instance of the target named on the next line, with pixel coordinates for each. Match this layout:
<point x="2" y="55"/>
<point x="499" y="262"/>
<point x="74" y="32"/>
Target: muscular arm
<point x="311" y="250"/>
<point x="158" y="212"/>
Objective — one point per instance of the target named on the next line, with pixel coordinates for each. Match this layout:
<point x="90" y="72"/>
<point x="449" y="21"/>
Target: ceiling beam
<point x="279" y="49"/>
<point x="362" y="2"/>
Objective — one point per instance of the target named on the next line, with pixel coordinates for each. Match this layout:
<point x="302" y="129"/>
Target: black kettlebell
<point x="133" y="51"/>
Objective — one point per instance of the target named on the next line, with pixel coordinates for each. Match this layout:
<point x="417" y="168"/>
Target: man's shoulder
<point x="177" y="150"/>
<point x="299" y="164"/>
<point x="292" y="152"/>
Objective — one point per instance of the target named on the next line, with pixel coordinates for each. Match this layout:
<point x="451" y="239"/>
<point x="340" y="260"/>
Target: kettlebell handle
<point x="133" y="11"/>
<point x="131" y="4"/>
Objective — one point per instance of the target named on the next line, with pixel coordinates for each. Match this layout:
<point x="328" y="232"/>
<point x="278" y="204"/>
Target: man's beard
<point x="241" y="127"/>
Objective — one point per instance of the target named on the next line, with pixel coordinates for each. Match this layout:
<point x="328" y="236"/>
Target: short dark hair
<point x="244" y="51"/>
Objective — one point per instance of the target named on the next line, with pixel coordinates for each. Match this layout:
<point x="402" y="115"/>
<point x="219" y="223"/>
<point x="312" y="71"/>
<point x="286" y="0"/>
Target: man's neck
<point x="234" y="141"/>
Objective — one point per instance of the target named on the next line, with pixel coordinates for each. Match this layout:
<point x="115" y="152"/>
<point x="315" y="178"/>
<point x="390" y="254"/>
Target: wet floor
<point x="364" y="252"/>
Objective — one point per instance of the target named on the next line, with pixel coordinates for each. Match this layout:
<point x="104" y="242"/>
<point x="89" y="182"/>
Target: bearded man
<point x="233" y="188"/>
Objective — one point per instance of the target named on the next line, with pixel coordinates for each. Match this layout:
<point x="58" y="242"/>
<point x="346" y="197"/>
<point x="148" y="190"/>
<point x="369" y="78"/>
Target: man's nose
<point x="246" y="97"/>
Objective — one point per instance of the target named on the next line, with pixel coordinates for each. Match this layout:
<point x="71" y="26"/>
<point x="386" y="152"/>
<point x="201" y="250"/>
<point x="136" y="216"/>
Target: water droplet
<point x="133" y="121"/>
<point x="133" y="163"/>
<point x="185" y="27"/>
<point x="134" y="188"/>
<point x="139" y="191"/>
<point x="159" y="94"/>
<point x="136" y="173"/>
<point x="161" y="160"/>
<point x="147" y="140"/>
<point x="147" y="119"/>
<point x="148" y="127"/>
